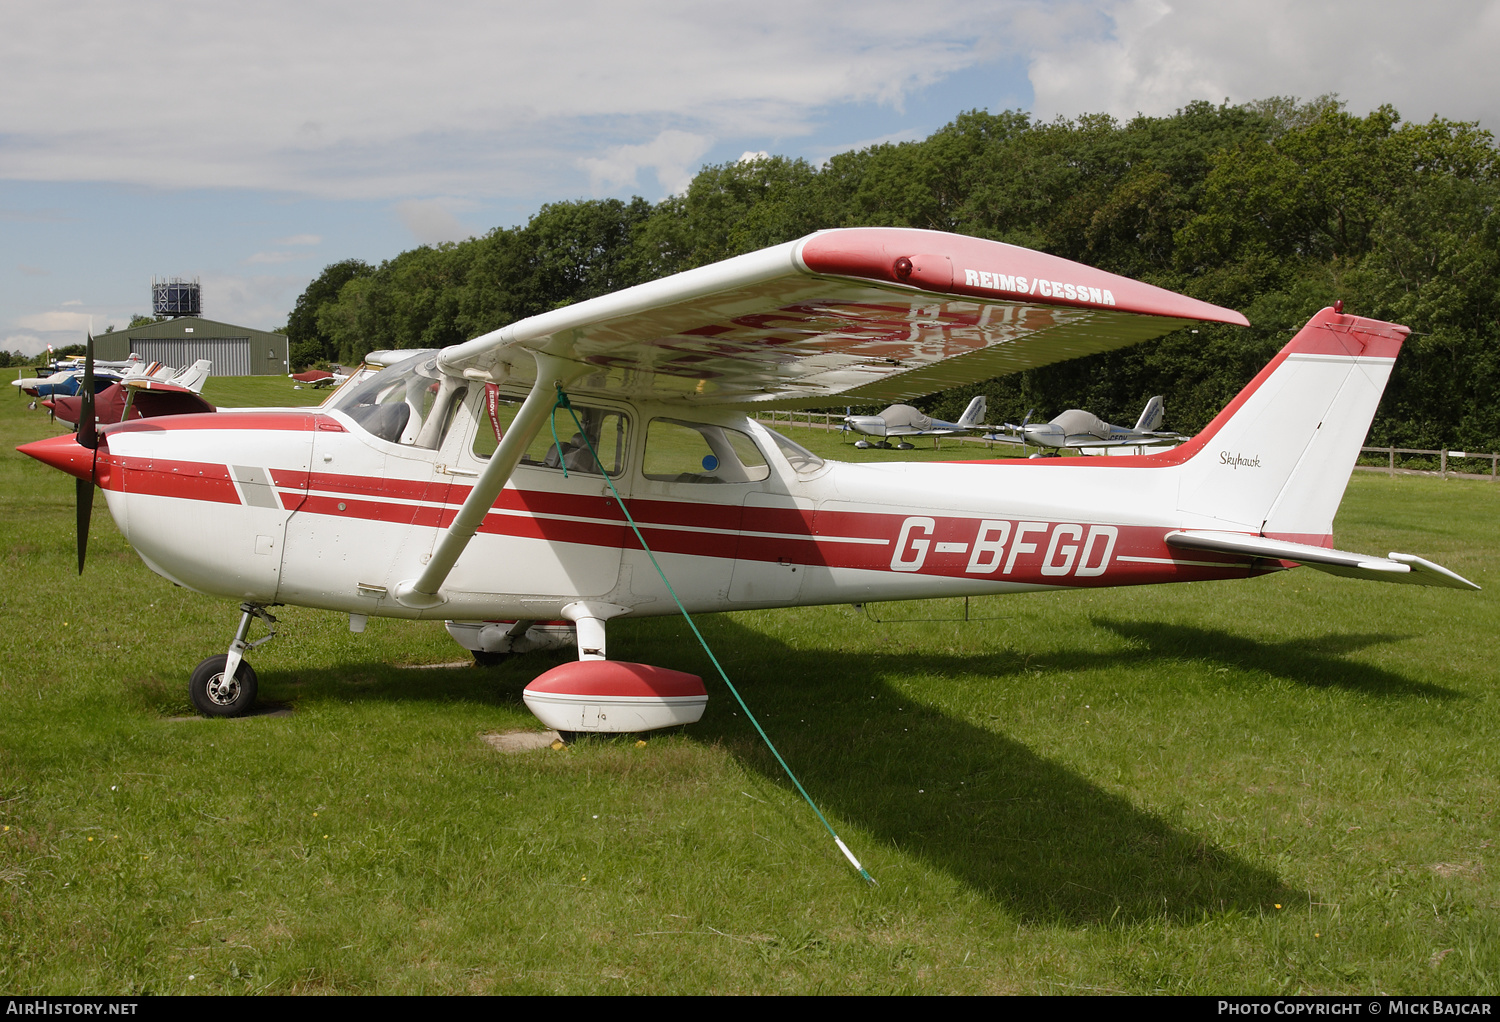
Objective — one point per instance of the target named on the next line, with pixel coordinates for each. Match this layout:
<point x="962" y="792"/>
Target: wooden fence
<point x="1444" y="459"/>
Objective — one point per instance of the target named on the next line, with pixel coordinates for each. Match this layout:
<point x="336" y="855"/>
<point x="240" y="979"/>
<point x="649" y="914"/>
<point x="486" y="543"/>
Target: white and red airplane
<point x="452" y="485"/>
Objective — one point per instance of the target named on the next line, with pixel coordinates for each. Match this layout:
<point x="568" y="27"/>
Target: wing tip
<point x="969" y="267"/>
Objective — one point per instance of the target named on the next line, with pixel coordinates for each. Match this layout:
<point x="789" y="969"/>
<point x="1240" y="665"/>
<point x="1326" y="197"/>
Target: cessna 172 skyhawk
<point x="453" y="486"/>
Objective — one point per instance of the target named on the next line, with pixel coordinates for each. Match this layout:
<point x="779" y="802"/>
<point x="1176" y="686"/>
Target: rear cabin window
<point x="604" y="429"/>
<point x="699" y="452"/>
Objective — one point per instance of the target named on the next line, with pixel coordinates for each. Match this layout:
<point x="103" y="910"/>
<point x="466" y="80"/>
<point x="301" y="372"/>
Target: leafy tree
<point x="307" y="342"/>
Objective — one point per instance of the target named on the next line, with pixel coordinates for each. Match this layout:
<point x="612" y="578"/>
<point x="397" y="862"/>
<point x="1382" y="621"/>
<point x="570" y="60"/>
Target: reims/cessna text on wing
<point x="436" y="489"/>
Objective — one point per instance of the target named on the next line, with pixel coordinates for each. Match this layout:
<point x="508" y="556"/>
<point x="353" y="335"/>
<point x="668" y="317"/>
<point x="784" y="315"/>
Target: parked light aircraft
<point x="1083" y="430"/>
<point x="435" y="489"/>
<point x="905" y="421"/>
<point x="153" y="390"/>
<point x="318" y="378"/>
<point x="67" y="377"/>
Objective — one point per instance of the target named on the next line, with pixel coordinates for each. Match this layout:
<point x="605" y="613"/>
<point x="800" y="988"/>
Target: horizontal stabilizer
<point x="160" y="386"/>
<point x="1407" y="568"/>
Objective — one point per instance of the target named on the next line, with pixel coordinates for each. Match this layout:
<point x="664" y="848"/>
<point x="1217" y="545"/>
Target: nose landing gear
<point x="225" y="685"/>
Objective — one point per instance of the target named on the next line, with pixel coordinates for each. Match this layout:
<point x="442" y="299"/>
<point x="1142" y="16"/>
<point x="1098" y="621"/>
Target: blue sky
<point x="251" y="145"/>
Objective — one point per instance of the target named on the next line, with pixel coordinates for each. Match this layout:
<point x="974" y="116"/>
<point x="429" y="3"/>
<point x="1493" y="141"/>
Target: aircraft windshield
<point x="409" y="403"/>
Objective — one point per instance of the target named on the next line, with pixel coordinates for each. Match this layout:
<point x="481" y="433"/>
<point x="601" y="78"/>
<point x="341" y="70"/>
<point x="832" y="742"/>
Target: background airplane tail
<point x="1276" y="461"/>
<point x="1152" y="416"/>
<point x="193" y="376"/>
<point x="974" y="414"/>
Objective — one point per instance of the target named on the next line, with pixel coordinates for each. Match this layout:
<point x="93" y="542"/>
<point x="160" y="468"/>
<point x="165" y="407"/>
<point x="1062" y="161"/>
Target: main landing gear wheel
<point x="217" y="696"/>
<point x="483" y="658"/>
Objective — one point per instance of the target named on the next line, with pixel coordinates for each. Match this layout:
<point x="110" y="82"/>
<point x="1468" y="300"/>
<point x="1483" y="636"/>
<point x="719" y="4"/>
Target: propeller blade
<point x="84" y="490"/>
<point x="88" y="435"/>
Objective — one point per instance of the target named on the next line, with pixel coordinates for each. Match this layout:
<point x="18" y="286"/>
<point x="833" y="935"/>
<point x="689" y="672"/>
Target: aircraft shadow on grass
<point x="1022" y="829"/>
<point x="1317" y="662"/>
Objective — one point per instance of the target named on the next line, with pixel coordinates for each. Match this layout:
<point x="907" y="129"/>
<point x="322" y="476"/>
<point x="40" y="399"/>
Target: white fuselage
<point x="305" y="507"/>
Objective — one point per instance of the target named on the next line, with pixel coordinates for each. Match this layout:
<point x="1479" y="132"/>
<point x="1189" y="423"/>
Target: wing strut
<point x="423" y="593"/>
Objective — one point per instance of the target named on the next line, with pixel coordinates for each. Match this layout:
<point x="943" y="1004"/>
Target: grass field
<point x="1281" y="785"/>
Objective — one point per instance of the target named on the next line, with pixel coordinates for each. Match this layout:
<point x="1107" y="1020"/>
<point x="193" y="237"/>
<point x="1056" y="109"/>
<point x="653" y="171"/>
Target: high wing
<point x="869" y="314"/>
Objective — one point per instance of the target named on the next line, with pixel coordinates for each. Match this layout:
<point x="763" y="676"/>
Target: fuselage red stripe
<point x="956" y="546"/>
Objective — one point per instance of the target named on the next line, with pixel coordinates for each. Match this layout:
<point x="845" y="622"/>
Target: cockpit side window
<point x="606" y="431"/>
<point x="700" y="452"/>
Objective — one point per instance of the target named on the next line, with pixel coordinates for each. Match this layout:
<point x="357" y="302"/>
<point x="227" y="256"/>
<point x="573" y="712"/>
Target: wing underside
<point x="865" y="314"/>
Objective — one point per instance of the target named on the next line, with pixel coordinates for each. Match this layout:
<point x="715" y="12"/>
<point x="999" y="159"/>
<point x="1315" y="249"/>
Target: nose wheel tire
<point x="217" y="696"/>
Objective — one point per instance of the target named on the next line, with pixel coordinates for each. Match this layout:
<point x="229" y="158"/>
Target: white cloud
<point x="673" y="155"/>
<point x="261" y="302"/>
<point x="1153" y="57"/>
<point x="47" y="322"/>
<point x="26" y="344"/>
<point x="488" y="98"/>
<point x="431" y="222"/>
<point x="301" y="239"/>
<point x="31" y="271"/>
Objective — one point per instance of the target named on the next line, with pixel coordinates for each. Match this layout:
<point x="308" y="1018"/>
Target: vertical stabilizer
<point x="1277" y="460"/>
<point x="194" y="376"/>
<point x="974" y="414"/>
<point x="1152" y="416"/>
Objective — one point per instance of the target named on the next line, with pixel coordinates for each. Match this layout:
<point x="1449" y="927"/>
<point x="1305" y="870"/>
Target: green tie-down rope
<point x="562" y="402"/>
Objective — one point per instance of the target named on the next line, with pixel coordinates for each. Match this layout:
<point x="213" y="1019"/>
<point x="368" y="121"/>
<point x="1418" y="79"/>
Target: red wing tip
<point x="994" y="271"/>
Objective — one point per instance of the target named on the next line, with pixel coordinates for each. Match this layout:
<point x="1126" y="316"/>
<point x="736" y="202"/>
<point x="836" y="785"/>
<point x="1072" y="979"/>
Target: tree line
<point x="1276" y="208"/>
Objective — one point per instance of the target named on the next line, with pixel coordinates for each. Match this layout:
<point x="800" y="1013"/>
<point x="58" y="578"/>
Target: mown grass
<point x="1287" y="784"/>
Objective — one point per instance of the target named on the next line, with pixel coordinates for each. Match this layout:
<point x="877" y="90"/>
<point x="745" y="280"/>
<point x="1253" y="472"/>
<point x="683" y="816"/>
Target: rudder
<point x="1277" y="460"/>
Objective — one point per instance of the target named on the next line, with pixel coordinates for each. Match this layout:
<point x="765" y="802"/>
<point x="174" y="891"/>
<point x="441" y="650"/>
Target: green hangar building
<point x="187" y="336"/>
